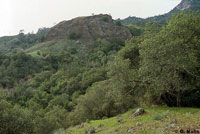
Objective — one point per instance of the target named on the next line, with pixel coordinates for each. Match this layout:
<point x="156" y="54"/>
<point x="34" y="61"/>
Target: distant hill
<point x="184" y="5"/>
<point x="88" y="29"/>
<point x="20" y="42"/>
<point x="65" y="35"/>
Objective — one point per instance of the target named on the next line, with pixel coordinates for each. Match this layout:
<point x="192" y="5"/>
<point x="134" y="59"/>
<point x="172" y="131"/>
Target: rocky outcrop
<point x="138" y="112"/>
<point x="185" y="4"/>
<point x="90" y="28"/>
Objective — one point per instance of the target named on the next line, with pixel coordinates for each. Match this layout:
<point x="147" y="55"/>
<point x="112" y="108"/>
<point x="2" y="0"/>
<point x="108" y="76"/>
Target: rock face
<point x="185" y="4"/>
<point x="193" y="5"/>
<point x="87" y="29"/>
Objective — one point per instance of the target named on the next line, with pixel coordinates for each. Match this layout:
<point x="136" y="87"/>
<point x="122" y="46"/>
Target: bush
<point x="158" y="116"/>
<point x="38" y="53"/>
<point x="100" y="101"/>
<point x="118" y="22"/>
<point x="15" y="120"/>
<point x="105" y="18"/>
<point x="74" y="36"/>
<point x="135" y="30"/>
<point x="54" y="119"/>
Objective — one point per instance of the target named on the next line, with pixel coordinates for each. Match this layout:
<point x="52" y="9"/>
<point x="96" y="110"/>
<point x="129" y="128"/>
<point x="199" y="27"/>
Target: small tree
<point x="105" y="18"/>
<point x="74" y="36"/>
<point x="118" y="22"/>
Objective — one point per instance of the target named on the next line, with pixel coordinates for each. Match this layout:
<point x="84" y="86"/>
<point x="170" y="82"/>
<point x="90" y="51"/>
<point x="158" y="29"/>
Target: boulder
<point x="91" y="131"/>
<point x="138" y="112"/>
<point x="131" y="130"/>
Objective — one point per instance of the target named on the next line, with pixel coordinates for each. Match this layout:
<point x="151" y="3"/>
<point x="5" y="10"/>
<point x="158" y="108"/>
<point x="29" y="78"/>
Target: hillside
<point x="88" y="29"/>
<point x="86" y="74"/>
<point x="21" y="42"/>
<point x="157" y="120"/>
<point x="184" y="5"/>
<point x="65" y="35"/>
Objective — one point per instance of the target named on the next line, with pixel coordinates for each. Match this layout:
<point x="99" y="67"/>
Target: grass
<point x="156" y="120"/>
<point x="56" y="47"/>
<point x="51" y="46"/>
<point x="158" y="116"/>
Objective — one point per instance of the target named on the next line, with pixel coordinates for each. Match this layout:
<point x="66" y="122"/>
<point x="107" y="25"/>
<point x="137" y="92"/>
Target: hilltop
<point x="88" y="29"/>
<point x="184" y="5"/>
<point x="62" y="77"/>
<point x="83" y="30"/>
<point x="188" y="5"/>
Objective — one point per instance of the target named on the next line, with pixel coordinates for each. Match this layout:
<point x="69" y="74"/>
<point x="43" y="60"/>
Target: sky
<point x="30" y="15"/>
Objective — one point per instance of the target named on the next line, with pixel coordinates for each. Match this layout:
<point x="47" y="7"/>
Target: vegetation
<point x="21" y="42"/>
<point x="49" y="85"/>
<point x="74" y="36"/>
<point x="105" y="18"/>
<point x="173" y="119"/>
<point x="184" y="6"/>
<point x="118" y="22"/>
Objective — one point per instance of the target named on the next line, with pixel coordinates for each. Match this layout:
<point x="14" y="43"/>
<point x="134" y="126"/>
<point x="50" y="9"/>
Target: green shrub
<point x="15" y="119"/>
<point x="157" y="116"/>
<point x="118" y="22"/>
<point x="38" y="53"/>
<point x="74" y="36"/>
<point x="105" y="18"/>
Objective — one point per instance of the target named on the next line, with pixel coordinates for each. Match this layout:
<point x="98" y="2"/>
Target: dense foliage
<point x="42" y="90"/>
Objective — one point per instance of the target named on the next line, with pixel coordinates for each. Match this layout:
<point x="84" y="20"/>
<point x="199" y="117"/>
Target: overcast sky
<point x="33" y="14"/>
